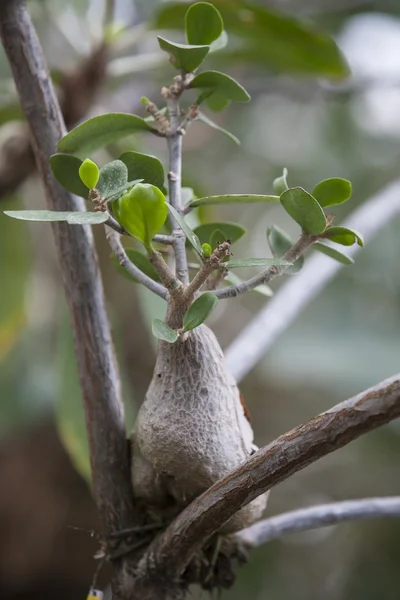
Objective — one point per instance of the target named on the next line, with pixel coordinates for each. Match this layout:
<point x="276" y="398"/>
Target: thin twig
<point x="164" y="272"/>
<point x="259" y="335"/>
<point x="209" y="265"/>
<point x="314" y="517"/>
<point x="160" y="238"/>
<point x="97" y="368"/>
<point x="272" y="464"/>
<point x="123" y="259"/>
<point x="291" y="256"/>
<point x="174" y="182"/>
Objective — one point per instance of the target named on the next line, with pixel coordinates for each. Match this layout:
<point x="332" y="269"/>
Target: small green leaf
<point x="280" y="183"/>
<point x="214" y="81"/>
<point x="65" y="169"/>
<point x="207" y="250"/>
<point x="89" y="173"/>
<point x="332" y="191"/>
<point x="232" y="199"/>
<point x="199" y="310"/>
<point x="145" y="167"/>
<point x="257" y="262"/>
<point x="141" y="261"/>
<point x="190" y="235"/>
<point x="344" y="236"/>
<point x="204" y="119"/>
<point x="203" y="23"/>
<point x="227" y="231"/>
<point x="304" y="209"/>
<point x="182" y="56"/>
<point x="142" y="212"/>
<point x="216" y="102"/>
<point x="113" y="176"/>
<point x="262" y="289"/>
<point x="73" y="218"/>
<point x="162" y="331"/>
<point x="100" y="131"/>
<point x="280" y="242"/>
<point x="333" y="253"/>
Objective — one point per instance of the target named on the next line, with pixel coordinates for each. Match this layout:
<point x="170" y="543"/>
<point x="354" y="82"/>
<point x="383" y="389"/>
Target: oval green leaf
<point x="199" y="310"/>
<point x="113" y="176"/>
<point x="89" y="173"/>
<point x="232" y="199"/>
<point x="257" y="262"/>
<point x="204" y="119"/>
<point x="65" y="168"/>
<point x="214" y="81"/>
<point x="304" y="209"/>
<point x="145" y="167"/>
<point x="203" y="23"/>
<point x="142" y="212"/>
<point x="332" y="191"/>
<point x="228" y="231"/>
<point x="182" y="56"/>
<point x="333" y="253"/>
<point x="139" y="260"/>
<point x="216" y="102"/>
<point x="190" y="235"/>
<point x="344" y="236"/>
<point x="162" y="331"/>
<point x="280" y="242"/>
<point x="100" y="131"/>
<point x="280" y="183"/>
<point x="73" y="218"/>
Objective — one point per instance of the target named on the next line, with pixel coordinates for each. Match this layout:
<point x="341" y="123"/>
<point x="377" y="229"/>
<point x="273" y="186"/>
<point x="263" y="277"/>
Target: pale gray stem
<point x="314" y="517"/>
<point x="174" y="182"/>
<point x="167" y="240"/>
<point x="119" y="252"/>
<point x="291" y="256"/>
<point x="259" y="335"/>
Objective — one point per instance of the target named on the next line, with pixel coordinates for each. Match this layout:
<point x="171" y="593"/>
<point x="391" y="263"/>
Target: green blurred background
<point x="346" y="340"/>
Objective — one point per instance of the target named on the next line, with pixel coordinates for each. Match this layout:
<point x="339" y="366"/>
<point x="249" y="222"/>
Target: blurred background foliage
<point x="306" y="115"/>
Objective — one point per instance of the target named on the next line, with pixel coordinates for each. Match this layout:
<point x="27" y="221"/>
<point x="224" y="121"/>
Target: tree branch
<point x="272" y="464"/>
<point x="269" y="274"/>
<point x="119" y="251"/>
<point x="82" y="282"/>
<point x="314" y="517"/>
<point x="259" y="335"/>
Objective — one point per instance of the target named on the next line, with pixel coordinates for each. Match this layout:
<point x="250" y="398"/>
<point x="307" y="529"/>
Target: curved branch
<point x="314" y="517"/>
<point x="272" y="464"/>
<point x="259" y="335"/>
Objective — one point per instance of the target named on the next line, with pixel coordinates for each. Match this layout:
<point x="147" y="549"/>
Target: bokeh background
<point x="346" y="340"/>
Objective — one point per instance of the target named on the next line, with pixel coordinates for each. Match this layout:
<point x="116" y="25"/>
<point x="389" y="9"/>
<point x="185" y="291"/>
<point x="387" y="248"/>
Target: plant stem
<point x="174" y="182"/>
<point x="209" y="265"/>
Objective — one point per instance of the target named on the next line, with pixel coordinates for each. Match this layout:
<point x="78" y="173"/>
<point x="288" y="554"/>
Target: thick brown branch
<point x="272" y="464"/>
<point x="78" y="264"/>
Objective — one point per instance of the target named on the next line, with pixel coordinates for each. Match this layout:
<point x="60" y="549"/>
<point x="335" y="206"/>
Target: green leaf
<point x="280" y="183"/>
<point x="117" y="193"/>
<point x="182" y="56"/>
<point x="198" y="312"/>
<point x="216" y="102"/>
<point x="141" y="261"/>
<point x="304" y="209"/>
<point x="113" y="176"/>
<point x="142" y="212"/>
<point x="65" y="169"/>
<point x="190" y="235"/>
<point x="145" y="167"/>
<point x="333" y="253"/>
<point x="162" y="331"/>
<point x="268" y="38"/>
<point x="332" y="191"/>
<point x="216" y="238"/>
<point x="280" y="243"/>
<point x="203" y="23"/>
<point x="257" y="262"/>
<point x="100" y="131"/>
<point x="204" y="119"/>
<point x="89" y="173"/>
<point x="74" y="217"/>
<point x="262" y="289"/>
<point x="232" y="199"/>
<point x="228" y="231"/>
<point x="214" y="81"/>
<point x="220" y="43"/>
<point x="344" y="236"/>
